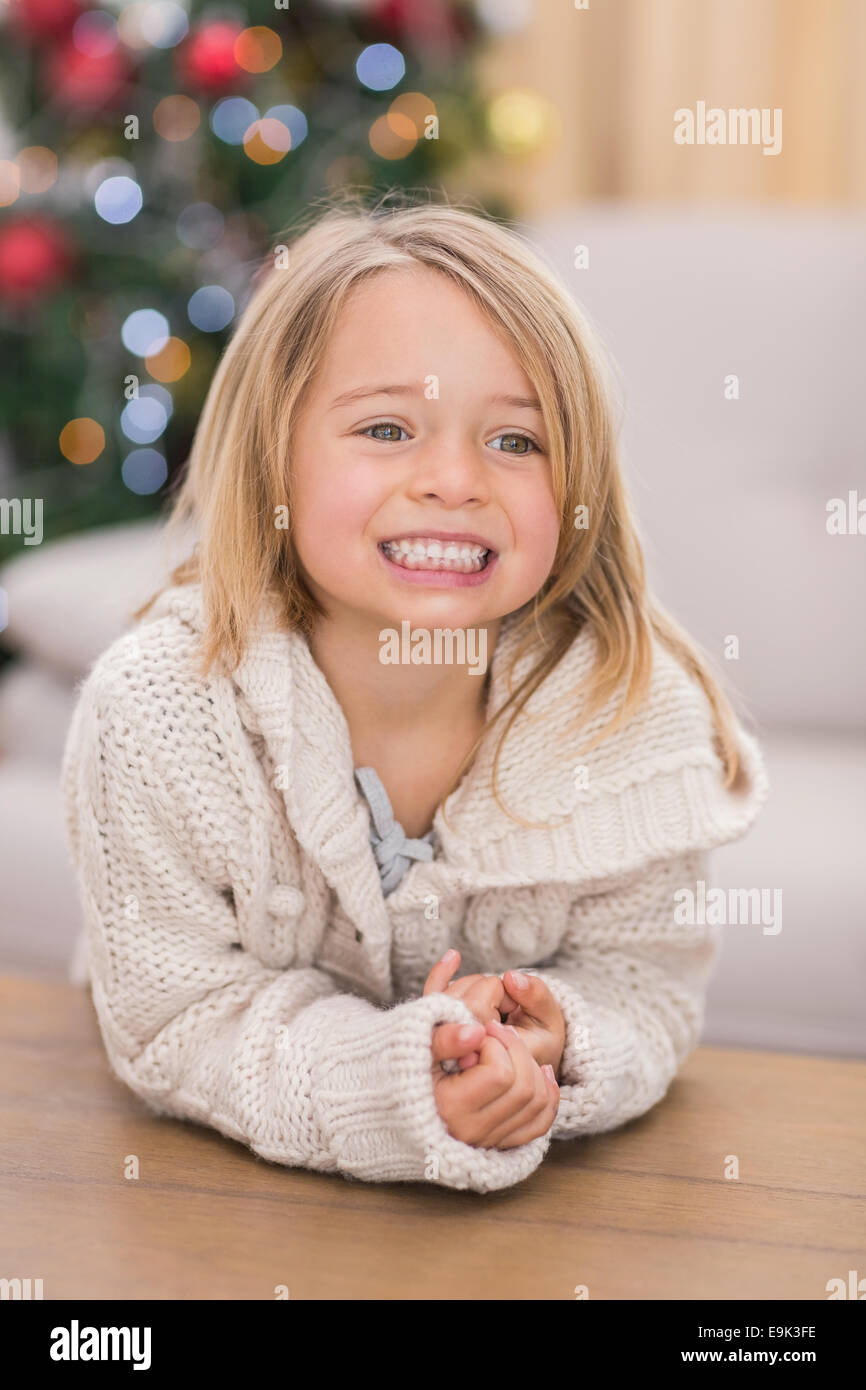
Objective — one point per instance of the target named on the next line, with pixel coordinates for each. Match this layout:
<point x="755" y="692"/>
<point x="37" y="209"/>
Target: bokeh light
<point x="504" y="16"/>
<point x="143" y="419"/>
<point x="294" y="120"/>
<point x="207" y="60"/>
<point x="200" y="226"/>
<point x="211" y="308"/>
<point x="163" y="24"/>
<point x="144" y="471"/>
<point x="84" y="83"/>
<point x="37" y="168"/>
<point x="130" y="25"/>
<point x="171" y="362"/>
<point x="145" y="332"/>
<point x="176" y="118"/>
<point x="267" y="141"/>
<point x="35" y="257"/>
<point x="82" y="440"/>
<point x="258" y="49"/>
<point x="231" y="118"/>
<point x="95" y="33"/>
<point x="45" y="19"/>
<point x="107" y="169"/>
<point x="118" y="200"/>
<point x="159" y="393"/>
<point x="418" y="107"/>
<point x="380" y="67"/>
<point x="519" y="120"/>
<point x="10" y="182"/>
<point x="393" y="136"/>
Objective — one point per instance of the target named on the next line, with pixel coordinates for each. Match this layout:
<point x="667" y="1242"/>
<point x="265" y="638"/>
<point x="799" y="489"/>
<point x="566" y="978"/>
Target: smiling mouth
<point x="418" y="553"/>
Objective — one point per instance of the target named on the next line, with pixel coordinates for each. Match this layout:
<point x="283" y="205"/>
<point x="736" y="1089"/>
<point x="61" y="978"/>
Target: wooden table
<point x="644" y="1212"/>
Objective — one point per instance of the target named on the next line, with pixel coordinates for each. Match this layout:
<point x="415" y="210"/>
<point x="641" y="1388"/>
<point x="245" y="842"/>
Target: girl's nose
<point x="453" y="476"/>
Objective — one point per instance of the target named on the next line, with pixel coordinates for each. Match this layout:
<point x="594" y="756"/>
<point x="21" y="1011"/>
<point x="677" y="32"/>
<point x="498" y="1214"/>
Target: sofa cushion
<point x="68" y="600"/>
<point x="35" y="709"/>
<point x="732" y="493"/>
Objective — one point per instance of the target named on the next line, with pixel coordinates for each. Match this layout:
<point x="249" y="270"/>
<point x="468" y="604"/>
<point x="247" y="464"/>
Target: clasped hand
<point x="505" y="1090"/>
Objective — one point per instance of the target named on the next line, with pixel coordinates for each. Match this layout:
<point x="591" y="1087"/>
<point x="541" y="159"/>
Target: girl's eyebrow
<point x="360" y="392"/>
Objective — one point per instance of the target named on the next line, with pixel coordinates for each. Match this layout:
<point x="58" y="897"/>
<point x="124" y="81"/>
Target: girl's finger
<point x="470" y="1060"/>
<point x="487" y="1087"/>
<point x="451" y="1041"/>
<point x="500" y="1110"/>
<point x="442" y="972"/>
<point x="488" y="1081"/>
<point x="533" y="996"/>
<point x="484" y="997"/>
<point x="532" y="1118"/>
<point x="523" y="1133"/>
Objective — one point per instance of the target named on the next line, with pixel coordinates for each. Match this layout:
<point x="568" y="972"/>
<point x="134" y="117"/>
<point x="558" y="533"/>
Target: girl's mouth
<point x="419" y="554"/>
<point x="421" y="560"/>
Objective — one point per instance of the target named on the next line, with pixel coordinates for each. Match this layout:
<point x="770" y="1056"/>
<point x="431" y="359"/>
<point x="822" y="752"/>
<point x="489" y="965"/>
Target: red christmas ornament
<point x="427" y="21"/>
<point x="207" y="59"/>
<point x="43" y="19"/>
<point x="77" y="80"/>
<point x="35" y="256"/>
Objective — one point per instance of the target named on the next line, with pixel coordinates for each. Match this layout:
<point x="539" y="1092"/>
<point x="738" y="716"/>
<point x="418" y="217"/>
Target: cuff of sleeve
<point x="596" y="1065"/>
<point x="372" y="1091"/>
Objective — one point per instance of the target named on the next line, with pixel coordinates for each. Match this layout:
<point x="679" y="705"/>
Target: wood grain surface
<point x="643" y="1212"/>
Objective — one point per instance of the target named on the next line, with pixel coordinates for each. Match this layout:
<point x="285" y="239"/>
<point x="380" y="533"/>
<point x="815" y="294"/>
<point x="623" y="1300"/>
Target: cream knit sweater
<point x="246" y="969"/>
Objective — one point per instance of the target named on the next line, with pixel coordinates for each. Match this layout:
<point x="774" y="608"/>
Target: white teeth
<point x="415" y="553"/>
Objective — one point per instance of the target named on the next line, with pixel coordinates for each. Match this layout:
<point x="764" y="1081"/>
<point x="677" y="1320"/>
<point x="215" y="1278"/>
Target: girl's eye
<point x="514" y="444"/>
<point x="385" y="425"/>
<point x="391" y="433"/>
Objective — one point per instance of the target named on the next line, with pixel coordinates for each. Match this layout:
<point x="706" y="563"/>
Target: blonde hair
<point x="236" y="477"/>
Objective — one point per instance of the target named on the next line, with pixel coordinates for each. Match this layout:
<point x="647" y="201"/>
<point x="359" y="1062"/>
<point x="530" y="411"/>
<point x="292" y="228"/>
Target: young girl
<point x="294" y="817"/>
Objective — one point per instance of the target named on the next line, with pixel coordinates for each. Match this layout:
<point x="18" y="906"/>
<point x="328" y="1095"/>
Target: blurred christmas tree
<point x="152" y="153"/>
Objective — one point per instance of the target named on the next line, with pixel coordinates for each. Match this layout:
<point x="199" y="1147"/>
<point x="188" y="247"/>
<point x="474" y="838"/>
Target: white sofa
<point x="732" y="498"/>
<point x="65" y="603"/>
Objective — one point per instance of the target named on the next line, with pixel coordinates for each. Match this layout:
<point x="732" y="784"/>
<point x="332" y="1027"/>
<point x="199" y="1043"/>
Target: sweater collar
<point x="649" y="791"/>
<point x="287" y="699"/>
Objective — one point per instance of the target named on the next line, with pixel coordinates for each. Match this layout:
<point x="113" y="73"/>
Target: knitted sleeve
<point x="199" y="1028"/>
<point x="630" y="980"/>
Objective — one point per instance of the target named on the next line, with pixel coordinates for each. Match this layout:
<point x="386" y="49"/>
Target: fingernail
<point x="520" y="980"/>
<point x="551" y="1073"/>
<point x="449" y="955"/>
<point x="468" y="1031"/>
<point x="511" y="1028"/>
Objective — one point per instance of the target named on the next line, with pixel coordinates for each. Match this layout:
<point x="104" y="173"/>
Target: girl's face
<point x="420" y="473"/>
